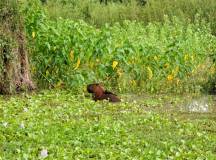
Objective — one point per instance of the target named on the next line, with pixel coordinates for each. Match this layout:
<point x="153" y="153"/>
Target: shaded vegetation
<point x="14" y="67"/>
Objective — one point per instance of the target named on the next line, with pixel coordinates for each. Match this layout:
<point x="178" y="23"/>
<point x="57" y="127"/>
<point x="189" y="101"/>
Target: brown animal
<point x="99" y="93"/>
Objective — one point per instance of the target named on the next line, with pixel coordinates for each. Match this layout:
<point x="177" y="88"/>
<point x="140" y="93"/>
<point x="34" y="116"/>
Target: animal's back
<point x="100" y="94"/>
<point x="111" y="97"/>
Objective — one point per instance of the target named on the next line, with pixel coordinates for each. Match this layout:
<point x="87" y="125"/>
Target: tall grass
<point x="98" y="14"/>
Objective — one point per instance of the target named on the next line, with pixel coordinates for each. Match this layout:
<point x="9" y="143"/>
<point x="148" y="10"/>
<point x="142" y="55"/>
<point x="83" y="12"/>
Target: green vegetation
<point x="159" y="47"/>
<point x="70" y="126"/>
<point x="14" y="67"/>
<point x="162" y="57"/>
<point x="95" y="13"/>
<point x="9" y="21"/>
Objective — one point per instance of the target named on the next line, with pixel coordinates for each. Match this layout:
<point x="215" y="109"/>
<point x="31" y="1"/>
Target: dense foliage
<point x="169" y="56"/>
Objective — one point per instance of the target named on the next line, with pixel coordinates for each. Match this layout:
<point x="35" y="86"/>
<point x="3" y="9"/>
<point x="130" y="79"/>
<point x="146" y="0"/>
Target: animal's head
<point x="93" y="88"/>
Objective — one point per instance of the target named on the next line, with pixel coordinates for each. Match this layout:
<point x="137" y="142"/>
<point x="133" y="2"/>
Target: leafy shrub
<point x="156" y="57"/>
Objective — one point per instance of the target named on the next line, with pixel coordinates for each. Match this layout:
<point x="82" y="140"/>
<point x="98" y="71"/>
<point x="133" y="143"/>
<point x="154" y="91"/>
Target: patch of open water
<point x="204" y="104"/>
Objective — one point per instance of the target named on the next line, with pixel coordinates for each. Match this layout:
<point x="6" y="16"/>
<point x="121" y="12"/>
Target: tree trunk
<point x="15" y="71"/>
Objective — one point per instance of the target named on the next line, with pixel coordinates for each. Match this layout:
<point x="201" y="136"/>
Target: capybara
<point x="99" y="93"/>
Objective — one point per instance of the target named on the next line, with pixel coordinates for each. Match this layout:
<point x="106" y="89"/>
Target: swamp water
<point x="183" y="104"/>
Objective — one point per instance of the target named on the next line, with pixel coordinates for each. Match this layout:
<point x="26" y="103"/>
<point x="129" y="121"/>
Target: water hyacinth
<point x="5" y="124"/>
<point x="44" y="153"/>
<point x="25" y="109"/>
<point x="22" y="125"/>
<point x="74" y="127"/>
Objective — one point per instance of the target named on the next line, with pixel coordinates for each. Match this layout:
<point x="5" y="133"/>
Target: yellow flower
<point x="33" y="34"/>
<point x="97" y="60"/>
<point x="150" y="73"/>
<point x="133" y="82"/>
<point x="71" y="55"/>
<point x="114" y="64"/>
<point x="170" y="77"/>
<point x="77" y="64"/>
